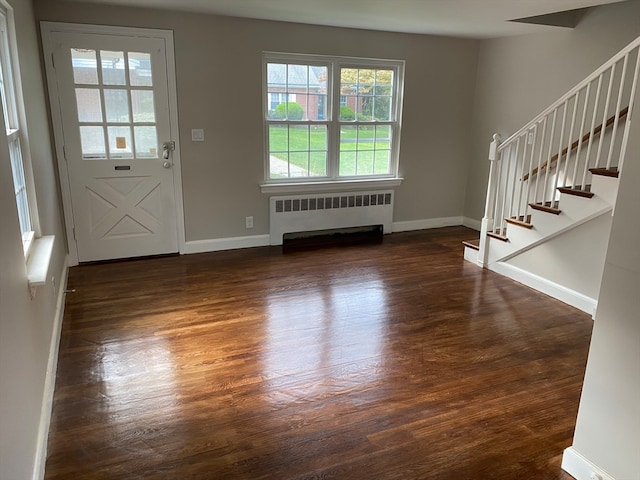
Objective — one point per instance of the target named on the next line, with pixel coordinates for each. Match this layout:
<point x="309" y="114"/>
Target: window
<point x="15" y="134"/>
<point x="331" y="118"/>
<point x="116" y="110"/>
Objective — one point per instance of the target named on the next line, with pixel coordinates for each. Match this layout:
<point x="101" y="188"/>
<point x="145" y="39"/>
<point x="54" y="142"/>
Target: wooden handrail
<point x="596" y="131"/>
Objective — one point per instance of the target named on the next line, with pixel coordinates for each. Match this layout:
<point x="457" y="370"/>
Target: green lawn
<point x="306" y="147"/>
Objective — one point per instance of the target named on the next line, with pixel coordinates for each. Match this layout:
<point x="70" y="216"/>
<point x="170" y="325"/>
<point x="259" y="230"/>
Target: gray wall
<point x="219" y="79"/>
<point x="608" y="426"/>
<point x="448" y="120"/>
<point x="26" y="326"/>
<point x="518" y="77"/>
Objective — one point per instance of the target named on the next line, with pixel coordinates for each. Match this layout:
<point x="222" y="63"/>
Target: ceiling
<point x="459" y="18"/>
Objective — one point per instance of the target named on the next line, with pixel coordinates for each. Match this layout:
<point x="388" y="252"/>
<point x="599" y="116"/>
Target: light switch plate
<point x="197" y="135"/>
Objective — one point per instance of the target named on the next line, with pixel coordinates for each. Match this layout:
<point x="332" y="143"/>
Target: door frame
<point x="47" y="29"/>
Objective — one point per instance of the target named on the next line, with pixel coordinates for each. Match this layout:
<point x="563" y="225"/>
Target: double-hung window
<point x="331" y="118"/>
<point x="15" y="133"/>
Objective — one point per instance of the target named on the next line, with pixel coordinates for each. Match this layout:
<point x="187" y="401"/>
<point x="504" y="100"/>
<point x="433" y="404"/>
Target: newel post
<point x="487" y="220"/>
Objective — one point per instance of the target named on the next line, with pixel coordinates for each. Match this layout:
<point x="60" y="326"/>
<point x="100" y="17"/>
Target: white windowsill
<point x="329" y="186"/>
<point x="38" y="262"/>
<point x="27" y="243"/>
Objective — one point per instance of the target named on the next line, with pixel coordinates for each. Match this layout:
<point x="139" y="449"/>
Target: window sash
<point x="14" y="133"/>
<point x="20" y="184"/>
<point x="366" y="152"/>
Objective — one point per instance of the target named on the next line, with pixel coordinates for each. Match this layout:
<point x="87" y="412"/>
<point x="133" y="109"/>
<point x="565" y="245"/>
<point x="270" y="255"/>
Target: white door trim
<point x="47" y="29"/>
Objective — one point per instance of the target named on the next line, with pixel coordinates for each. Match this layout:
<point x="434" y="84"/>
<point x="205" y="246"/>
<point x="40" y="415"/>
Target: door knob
<point x="166" y="164"/>
<point x="166" y="148"/>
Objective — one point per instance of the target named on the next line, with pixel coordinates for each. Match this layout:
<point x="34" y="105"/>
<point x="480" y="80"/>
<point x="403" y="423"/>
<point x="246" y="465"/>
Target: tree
<point x="289" y="111"/>
<point x="373" y="88"/>
<point x="347" y="114"/>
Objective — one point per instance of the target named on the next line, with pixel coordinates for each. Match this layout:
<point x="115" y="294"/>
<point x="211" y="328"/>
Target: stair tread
<point x="521" y="221"/>
<point x="499" y="234"/>
<point x="578" y="191"/>
<point x="475" y="244"/>
<point x="606" y="172"/>
<point x="549" y="207"/>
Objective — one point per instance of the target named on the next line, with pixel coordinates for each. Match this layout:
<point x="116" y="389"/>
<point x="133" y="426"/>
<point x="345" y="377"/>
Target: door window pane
<point x="113" y="68"/>
<point x="120" y="142"/>
<point x="146" y="142"/>
<point x="89" y="105"/>
<point x="143" y="107"/>
<point x="92" y="141"/>
<point x="140" y="69"/>
<point x="116" y="105"/>
<point x="85" y="66"/>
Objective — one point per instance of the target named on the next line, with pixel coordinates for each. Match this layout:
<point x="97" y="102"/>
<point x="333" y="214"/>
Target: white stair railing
<point x="559" y="147"/>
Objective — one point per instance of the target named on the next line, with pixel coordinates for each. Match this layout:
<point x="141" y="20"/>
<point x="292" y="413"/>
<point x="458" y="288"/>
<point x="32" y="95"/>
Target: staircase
<point x="553" y="185"/>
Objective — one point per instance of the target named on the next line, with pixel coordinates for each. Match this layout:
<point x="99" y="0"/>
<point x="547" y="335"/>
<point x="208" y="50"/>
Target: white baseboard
<point x="472" y="223"/>
<point x="217" y="244"/>
<point x="555" y="290"/>
<point x="426" y="224"/>
<point x="50" y="378"/>
<point x="580" y="468"/>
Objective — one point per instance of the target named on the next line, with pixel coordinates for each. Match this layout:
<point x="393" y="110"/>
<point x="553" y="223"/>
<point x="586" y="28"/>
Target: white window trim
<point x="7" y="21"/>
<point x="325" y="186"/>
<point x="37" y="250"/>
<point x="290" y="185"/>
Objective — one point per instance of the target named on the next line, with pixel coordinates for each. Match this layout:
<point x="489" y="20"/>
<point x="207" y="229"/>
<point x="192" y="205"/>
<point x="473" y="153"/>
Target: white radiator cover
<point x="322" y="211"/>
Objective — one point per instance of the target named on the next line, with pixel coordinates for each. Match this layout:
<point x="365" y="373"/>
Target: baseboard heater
<point x="322" y="212"/>
<point x="370" y="234"/>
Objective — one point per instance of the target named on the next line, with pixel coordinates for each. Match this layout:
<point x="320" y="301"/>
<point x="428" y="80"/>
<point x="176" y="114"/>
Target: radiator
<point x="324" y="211"/>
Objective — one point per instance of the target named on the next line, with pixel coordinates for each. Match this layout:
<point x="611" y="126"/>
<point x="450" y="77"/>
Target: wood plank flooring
<point x="390" y="361"/>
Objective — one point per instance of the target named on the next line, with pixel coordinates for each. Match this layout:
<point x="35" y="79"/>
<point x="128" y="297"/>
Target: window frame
<point x="17" y="130"/>
<point x="334" y="65"/>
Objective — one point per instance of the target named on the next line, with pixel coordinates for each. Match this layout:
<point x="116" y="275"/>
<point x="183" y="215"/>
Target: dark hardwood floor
<point x="381" y="361"/>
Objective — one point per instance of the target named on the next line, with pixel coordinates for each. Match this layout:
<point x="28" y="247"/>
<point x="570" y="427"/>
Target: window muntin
<point x="331" y="119"/>
<point x="14" y="133"/>
<point x="366" y="121"/>
<point x="115" y="102"/>
<point x="297" y="150"/>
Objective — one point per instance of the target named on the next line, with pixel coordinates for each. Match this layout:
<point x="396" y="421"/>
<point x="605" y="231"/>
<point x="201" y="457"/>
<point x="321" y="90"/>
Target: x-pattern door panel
<point x="114" y="105"/>
<point x="124" y="207"/>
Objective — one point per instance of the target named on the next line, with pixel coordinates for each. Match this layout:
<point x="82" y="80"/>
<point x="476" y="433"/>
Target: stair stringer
<point x="575" y="212"/>
<point x="567" y="265"/>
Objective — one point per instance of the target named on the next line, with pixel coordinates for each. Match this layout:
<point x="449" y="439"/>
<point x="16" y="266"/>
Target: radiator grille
<point x="306" y="213"/>
<point x="329" y="202"/>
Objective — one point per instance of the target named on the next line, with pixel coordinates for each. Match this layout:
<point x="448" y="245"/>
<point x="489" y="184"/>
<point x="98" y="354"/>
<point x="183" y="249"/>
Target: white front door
<point x="116" y="135"/>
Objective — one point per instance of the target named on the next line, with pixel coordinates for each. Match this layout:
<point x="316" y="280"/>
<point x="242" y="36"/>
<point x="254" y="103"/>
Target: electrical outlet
<point x="248" y="222"/>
